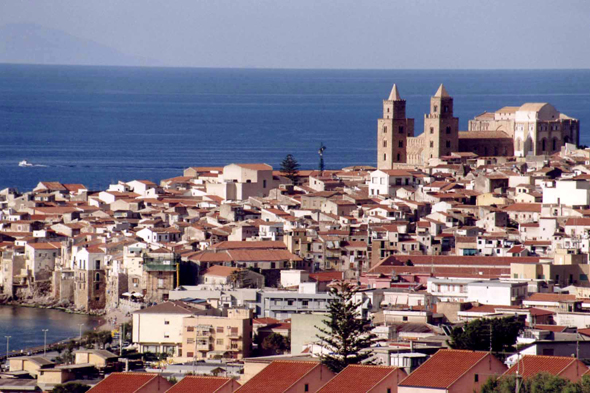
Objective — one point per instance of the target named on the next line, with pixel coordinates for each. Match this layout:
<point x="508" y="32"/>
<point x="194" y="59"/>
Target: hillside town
<point x="225" y="274"/>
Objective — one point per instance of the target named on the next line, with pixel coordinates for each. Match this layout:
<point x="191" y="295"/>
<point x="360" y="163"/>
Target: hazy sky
<point x="326" y="33"/>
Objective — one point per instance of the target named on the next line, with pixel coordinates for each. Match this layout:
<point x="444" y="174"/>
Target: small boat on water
<point x="25" y="163"/>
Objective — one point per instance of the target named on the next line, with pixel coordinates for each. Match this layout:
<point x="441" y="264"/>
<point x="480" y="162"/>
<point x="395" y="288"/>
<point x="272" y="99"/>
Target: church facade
<point x="531" y="129"/>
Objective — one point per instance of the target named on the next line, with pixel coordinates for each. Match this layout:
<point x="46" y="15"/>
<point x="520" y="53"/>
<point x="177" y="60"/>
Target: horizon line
<point x="287" y="68"/>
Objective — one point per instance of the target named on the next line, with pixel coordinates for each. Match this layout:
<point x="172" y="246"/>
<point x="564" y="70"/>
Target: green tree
<point x="71" y="387"/>
<point x="276" y="342"/>
<point x="290" y="168"/>
<point x="347" y="337"/>
<point x="540" y="383"/>
<point x="475" y="335"/>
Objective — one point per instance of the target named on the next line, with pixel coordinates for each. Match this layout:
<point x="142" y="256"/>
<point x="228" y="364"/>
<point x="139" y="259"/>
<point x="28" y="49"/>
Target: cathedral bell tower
<point x="392" y="131"/>
<point x="441" y="129"/>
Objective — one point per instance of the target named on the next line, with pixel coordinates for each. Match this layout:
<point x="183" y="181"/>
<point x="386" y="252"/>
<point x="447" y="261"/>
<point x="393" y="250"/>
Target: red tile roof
<point x="444" y="368"/>
<point x="123" y="383"/>
<point x="357" y="378"/>
<point x="190" y="384"/>
<point x="530" y="365"/>
<point x="277" y="377"/>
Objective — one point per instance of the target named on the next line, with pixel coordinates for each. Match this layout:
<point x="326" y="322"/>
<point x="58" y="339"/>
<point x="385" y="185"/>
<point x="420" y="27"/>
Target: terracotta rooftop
<point x="191" y="384"/>
<point x="123" y="383"/>
<point x="531" y="365"/>
<point x="357" y="379"/>
<point x="443" y="368"/>
<point x="277" y="377"/>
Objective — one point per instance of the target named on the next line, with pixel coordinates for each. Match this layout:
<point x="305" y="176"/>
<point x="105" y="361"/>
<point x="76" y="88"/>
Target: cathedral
<point x="531" y="129"/>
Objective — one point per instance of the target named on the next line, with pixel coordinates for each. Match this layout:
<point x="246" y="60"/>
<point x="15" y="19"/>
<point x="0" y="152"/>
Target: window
<point x="289" y="302"/>
<point x="384" y="129"/>
<point x="190" y="354"/>
<point x="431" y="144"/>
<point x="399" y="157"/>
<point x="97" y="277"/>
<point x="446" y="108"/>
<point x="432" y="130"/>
<point x="96" y="286"/>
<point x="583" y="277"/>
<point x="305" y="303"/>
<point x="401" y="144"/>
<point x="98" y="264"/>
<point x="435" y="108"/>
<point x="264" y="184"/>
<point x="307" y="387"/>
<point x="190" y="329"/>
<point x="476" y="378"/>
<point x="219" y="341"/>
<point x="161" y="283"/>
<point x="448" y="144"/>
<point x="405" y="319"/>
<point x="401" y="129"/>
<point x="166" y="322"/>
<point x="448" y="130"/>
<point x="384" y="157"/>
<point x="219" y="329"/>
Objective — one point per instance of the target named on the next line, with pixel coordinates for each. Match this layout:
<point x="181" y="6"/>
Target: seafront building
<point x="449" y="227"/>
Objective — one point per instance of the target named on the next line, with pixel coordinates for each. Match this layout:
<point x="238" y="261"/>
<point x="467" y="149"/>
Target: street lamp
<point x="45" y="341"/>
<point x="7" y="347"/>
<point x="80" y="324"/>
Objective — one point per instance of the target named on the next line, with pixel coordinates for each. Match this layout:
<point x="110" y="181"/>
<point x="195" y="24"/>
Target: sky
<point x="381" y="34"/>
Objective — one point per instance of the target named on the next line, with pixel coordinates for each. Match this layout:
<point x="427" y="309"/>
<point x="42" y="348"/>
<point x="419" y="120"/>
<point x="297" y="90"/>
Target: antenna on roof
<point x="321" y="153"/>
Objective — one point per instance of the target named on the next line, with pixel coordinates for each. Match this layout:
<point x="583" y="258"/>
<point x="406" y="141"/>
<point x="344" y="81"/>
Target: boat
<point x="25" y="163"/>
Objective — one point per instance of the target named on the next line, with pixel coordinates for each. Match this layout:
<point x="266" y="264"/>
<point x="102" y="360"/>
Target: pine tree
<point x="290" y="168"/>
<point x="347" y="337"/>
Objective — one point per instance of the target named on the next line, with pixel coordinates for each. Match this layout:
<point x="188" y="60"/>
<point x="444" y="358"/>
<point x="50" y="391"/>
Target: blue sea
<point x="97" y="125"/>
<point x="25" y="326"/>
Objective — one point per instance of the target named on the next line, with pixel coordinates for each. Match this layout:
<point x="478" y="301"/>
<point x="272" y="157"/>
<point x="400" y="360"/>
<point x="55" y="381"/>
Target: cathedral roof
<point x="441" y="92"/>
<point x="483" y="135"/>
<point x="394" y="95"/>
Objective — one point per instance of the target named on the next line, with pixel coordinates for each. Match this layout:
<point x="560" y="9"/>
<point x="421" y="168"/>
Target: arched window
<point x="448" y="130"/>
<point x="399" y="157"/>
<point x="97" y="277"/>
<point x="554" y="143"/>
<point x="384" y="143"/>
<point x="543" y="144"/>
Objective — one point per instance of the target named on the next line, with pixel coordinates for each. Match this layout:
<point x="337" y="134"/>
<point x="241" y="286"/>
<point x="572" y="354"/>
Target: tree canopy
<point x="71" y="387"/>
<point x="276" y="343"/>
<point x="290" y="168"/>
<point x="540" y="383"/>
<point x="347" y="337"/>
<point x="475" y="335"/>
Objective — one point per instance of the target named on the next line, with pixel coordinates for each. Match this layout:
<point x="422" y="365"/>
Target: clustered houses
<point x="213" y="261"/>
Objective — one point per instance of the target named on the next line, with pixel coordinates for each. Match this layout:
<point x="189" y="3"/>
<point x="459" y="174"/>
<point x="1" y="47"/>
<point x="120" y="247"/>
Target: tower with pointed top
<point x="392" y="131"/>
<point x="441" y="128"/>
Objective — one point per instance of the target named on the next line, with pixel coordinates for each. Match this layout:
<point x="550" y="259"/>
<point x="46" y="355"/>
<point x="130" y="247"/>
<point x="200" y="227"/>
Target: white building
<point x="385" y="182"/>
<point x="567" y="192"/>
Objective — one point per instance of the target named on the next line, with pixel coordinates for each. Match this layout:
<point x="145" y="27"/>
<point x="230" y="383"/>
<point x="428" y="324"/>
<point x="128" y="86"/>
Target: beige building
<point x="536" y="128"/>
<point x="241" y="181"/>
<point x="210" y="337"/>
<point x="159" y="328"/>
<point x="531" y="129"/>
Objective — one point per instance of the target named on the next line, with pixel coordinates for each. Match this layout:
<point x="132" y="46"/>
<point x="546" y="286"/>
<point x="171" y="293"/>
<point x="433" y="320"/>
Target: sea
<point x="24" y="326"/>
<point x="99" y="125"/>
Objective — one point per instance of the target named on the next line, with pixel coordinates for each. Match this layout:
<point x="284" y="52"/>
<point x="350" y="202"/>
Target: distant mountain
<point x="34" y="44"/>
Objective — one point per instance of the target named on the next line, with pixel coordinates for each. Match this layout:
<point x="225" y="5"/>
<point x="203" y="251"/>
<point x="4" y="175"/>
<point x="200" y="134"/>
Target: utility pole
<point x="121" y="332"/>
<point x="7" y="347"/>
<point x="45" y="342"/>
